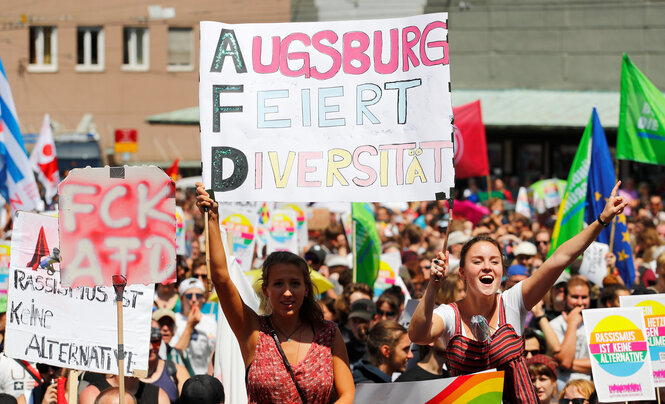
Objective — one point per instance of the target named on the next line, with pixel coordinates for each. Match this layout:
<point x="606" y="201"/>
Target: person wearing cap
<point x="516" y="273"/>
<point x="360" y="318"/>
<point x="165" y="321"/>
<point x="163" y="373"/>
<point x="524" y="253"/>
<point x="456" y="240"/>
<point x="194" y="332"/>
<point x="499" y="345"/>
<point x="291" y="353"/>
<point x="543" y="373"/>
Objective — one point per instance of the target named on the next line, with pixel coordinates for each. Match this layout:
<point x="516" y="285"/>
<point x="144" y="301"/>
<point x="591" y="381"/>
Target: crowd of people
<point x="313" y="347"/>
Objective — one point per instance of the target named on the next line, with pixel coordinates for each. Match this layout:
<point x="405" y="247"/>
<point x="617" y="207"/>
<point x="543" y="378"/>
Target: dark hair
<point x="609" y="293"/>
<point x="477" y="239"/>
<point x="531" y="333"/>
<point x="395" y="291"/>
<point x="310" y="312"/>
<point x="537" y="369"/>
<point x="343" y="305"/>
<point x="202" y="389"/>
<point x="385" y="332"/>
<point x="7" y="399"/>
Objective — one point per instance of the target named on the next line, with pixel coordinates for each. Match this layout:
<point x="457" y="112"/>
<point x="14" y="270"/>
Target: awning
<point x="500" y="108"/>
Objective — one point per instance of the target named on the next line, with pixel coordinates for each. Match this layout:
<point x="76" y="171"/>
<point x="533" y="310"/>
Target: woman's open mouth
<point x="487" y="279"/>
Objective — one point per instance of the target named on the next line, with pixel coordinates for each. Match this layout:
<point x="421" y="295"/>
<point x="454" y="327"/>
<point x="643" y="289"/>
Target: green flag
<point x="641" y="132"/>
<point x="570" y="219"/>
<point x="368" y="245"/>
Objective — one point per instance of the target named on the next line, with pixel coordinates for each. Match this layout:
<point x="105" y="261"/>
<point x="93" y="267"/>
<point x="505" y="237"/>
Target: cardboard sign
<point x="486" y="387"/>
<point x="618" y="351"/>
<point x="50" y="323"/>
<point x="241" y="224"/>
<point x="594" y="266"/>
<point x="327" y="111"/>
<point x="654" y="321"/>
<point x="117" y="221"/>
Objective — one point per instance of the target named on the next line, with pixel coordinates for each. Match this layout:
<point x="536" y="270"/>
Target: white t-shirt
<point x="513" y="303"/>
<point x="202" y="342"/>
<point x="14" y="379"/>
<point x="559" y="325"/>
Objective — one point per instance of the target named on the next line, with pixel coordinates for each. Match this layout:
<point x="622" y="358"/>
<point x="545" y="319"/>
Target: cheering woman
<point x="291" y="355"/>
<point x="475" y="344"/>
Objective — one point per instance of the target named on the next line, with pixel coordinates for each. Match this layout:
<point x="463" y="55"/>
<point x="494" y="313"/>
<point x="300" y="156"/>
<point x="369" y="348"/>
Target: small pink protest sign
<point x="117" y="221"/>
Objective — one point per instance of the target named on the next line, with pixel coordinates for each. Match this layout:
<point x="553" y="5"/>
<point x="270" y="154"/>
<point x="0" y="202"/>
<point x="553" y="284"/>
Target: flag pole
<point x="614" y="221"/>
<point x="353" y="246"/>
<point x="489" y="188"/>
<point x="119" y="283"/>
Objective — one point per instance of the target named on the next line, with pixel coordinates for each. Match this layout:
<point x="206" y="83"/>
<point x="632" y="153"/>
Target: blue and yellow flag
<point x="602" y="179"/>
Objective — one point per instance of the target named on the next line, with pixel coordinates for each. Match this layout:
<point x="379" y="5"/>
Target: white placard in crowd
<point x="282" y="234"/>
<point x="594" y="266"/>
<point x="654" y="321"/>
<point x="300" y="210"/>
<point x="327" y="111"/>
<point x="71" y="328"/>
<point x="241" y="223"/>
<point x="618" y="351"/>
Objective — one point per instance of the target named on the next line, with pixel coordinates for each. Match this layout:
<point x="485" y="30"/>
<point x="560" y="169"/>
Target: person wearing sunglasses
<point x="577" y="391"/>
<point x="195" y="332"/>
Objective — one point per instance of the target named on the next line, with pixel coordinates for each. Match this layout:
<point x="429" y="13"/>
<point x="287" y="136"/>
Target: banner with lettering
<point x="654" y="321"/>
<point x="327" y="111"/>
<point x="117" y="220"/>
<point x="65" y="327"/>
<point x="241" y="224"/>
<point x="486" y="388"/>
<point x="618" y="346"/>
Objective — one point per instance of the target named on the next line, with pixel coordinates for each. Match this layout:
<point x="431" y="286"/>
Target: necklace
<point x="288" y="336"/>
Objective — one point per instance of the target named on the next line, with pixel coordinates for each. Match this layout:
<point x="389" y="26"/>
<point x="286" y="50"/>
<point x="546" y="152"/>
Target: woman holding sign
<point x="291" y="355"/>
<point x="483" y="330"/>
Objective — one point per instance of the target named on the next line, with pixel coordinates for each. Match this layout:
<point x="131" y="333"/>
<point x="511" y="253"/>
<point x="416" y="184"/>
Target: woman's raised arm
<point x="535" y="286"/>
<point x="242" y="319"/>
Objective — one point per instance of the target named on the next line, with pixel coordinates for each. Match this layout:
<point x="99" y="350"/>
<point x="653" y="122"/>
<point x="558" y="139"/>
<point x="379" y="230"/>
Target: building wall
<point x="116" y="98"/>
<point x="535" y="44"/>
<point x="553" y="44"/>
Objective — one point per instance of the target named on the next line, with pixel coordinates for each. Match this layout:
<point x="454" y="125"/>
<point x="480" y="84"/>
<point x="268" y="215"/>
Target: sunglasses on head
<point x="572" y="400"/>
<point x="190" y="296"/>
<point x="386" y="313"/>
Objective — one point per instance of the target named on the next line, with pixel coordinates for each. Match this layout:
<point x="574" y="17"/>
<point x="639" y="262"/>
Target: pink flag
<point x="43" y="160"/>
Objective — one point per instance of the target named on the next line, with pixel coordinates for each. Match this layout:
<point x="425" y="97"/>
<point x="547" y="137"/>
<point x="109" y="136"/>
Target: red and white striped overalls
<point x="505" y="352"/>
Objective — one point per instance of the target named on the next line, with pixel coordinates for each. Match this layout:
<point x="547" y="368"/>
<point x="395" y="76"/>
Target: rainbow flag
<point x="485" y="388"/>
<point x="476" y="388"/>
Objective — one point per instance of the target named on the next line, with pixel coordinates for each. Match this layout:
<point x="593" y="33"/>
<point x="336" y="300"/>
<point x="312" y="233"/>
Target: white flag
<point x="43" y="160"/>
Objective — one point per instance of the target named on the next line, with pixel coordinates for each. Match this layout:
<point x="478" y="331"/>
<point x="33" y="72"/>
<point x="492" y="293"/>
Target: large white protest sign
<point x="117" y="221"/>
<point x="654" y="321"/>
<point x="619" y="357"/>
<point x="72" y="328"/>
<point x="486" y="388"/>
<point x="327" y="111"/>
